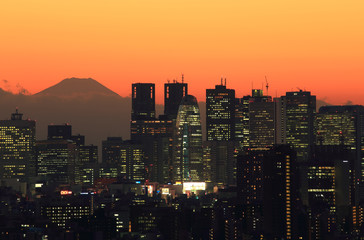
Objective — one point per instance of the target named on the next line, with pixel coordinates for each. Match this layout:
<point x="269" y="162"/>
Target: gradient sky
<point x="310" y="44"/>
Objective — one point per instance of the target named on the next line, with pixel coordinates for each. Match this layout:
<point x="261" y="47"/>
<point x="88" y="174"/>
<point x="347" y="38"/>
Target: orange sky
<point x="313" y="45"/>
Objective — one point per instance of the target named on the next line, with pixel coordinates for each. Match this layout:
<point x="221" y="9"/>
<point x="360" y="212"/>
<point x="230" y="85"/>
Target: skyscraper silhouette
<point x="173" y="94"/>
<point x="143" y="101"/>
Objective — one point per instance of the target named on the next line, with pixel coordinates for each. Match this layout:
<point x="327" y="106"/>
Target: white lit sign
<point x="165" y="191"/>
<point x="194" y="186"/>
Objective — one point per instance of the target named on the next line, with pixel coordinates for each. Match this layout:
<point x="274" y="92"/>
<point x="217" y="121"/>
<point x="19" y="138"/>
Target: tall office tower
<point x="57" y="161"/>
<point x="280" y="121"/>
<point x="173" y="94"/>
<point x="17" y="140"/>
<point x="59" y="132"/>
<point x="220" y="113"/>
<point x="222" y="162"/>
<point x="132" y="161"/>
<point x="250" y="188"/>
<point x="143" y="101"/>
<point x="122" y="158"/>
<point x="156" y="137"/>
<point x="111" y="150"/>
<point x="187" y="154"/>
<point x="281" y="198"/>
<point x="331" y="191"/>
<point x="242" y="122"/>
<point x="300" y="108"/>
<point x="112" y="165"/>
<point x="78" y="139"/>
<point x="344" y="125"/>
<point x="88" y="154"/>
<point x="206" y="162"/>
<point x="261" y="120"/>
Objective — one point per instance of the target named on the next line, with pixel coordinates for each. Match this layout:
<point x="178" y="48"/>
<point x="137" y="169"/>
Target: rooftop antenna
<point x="266" y="84"/>
<point x="225" y="82"/>
<point x="182" y="77"/>
<point x="221" y="81"/>
<point x="168" y="81"/>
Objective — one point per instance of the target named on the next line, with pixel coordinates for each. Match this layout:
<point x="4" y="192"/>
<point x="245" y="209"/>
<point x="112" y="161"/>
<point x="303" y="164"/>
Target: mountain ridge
<point x="77" y="87"/>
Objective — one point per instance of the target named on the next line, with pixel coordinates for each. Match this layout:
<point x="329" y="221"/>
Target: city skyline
<point x="310" y="45"/>
<point x="196" y="120"/>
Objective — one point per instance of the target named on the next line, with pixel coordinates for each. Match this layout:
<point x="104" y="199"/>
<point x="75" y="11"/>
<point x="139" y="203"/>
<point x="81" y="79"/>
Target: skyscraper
<point x="299" y="112"/>
<point x="221" y="160"/>
<point x="331" y="191"/>
<point x="242" y="122"/>
<point x="173" y="94"/>
<point x="17" y="140"/>
<point x="261" y="120"/>
<point x="344" y="125"/>
<point x="220" y="113"/>
<point x="187" y="154"/>
<point x="156" y="139"/>
<point x="143" y="101"/>
<point x="250" y="187"/>
<point x="125" y="156"/>
<point x="57" y="132"/>
<point x="155" y="135"/>
<point x="281" y="197"/>
<point x="57" y="161"/>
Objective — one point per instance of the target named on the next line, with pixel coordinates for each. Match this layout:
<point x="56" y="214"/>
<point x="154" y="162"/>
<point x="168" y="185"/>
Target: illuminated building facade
<point x="250" y="188"/>
<point x="132" y="156"/>
<point x="221" y="160"/>
<point x="187" y="153"/>
<point x="62" y="211"/>
<point x="220" y="113"/>
<point x="343" y="125"/>
<point x="206" y="162"/>
<point x="173" y="94"/>
<point x="156" y="137"/>
<point x="299" y="112"/>
<point x="111" y="151"/>
<point x="261" y="120"/>
<point x="122" y="158"/>
<point x="17" y="140"/>
<point x="242" y="122"/>
<point x="88" y="154"/>
<point x="281" y="194"/>
<point x="331" y="190"/>
<point x="57" y="161"/>
<point x="108" y="171"/>
<point x="143" y="101"/>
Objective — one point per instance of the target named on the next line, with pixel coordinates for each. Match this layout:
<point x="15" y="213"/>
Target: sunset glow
<point x="312" y="45"/>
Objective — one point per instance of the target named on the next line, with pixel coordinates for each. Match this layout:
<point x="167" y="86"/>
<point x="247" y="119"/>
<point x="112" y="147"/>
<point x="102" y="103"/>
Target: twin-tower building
<point x="172" y="142"/>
